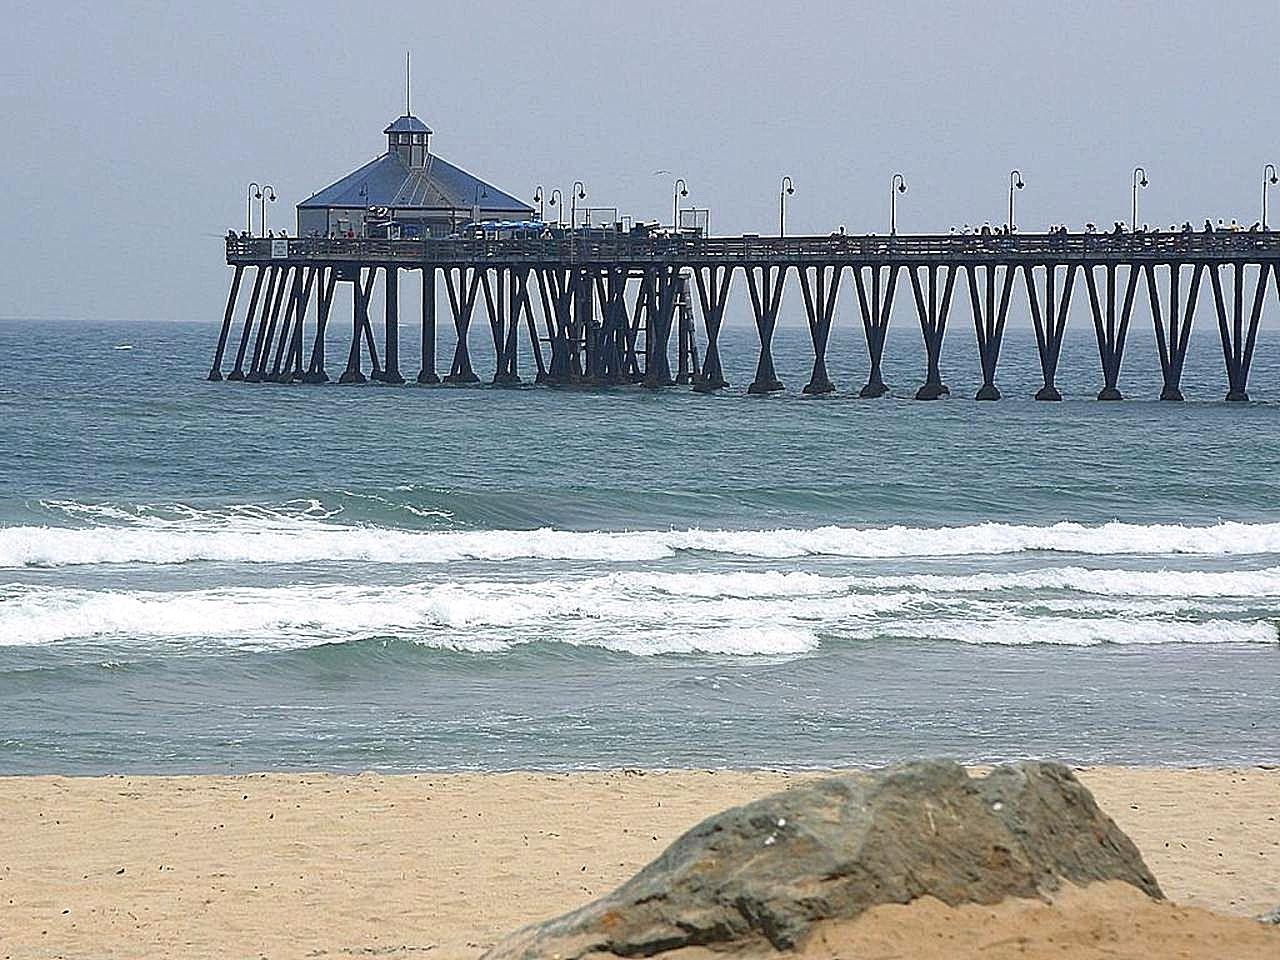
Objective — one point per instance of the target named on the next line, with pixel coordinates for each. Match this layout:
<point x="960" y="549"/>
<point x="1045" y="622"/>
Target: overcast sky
<point x="131" y="129"/>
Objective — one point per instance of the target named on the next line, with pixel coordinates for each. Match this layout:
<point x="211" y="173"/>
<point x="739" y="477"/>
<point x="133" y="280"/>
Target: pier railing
<point x="1185" y="247"/>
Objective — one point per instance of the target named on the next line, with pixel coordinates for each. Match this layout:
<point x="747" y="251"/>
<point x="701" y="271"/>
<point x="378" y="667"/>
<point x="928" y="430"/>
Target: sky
<point x="132" y="129"/>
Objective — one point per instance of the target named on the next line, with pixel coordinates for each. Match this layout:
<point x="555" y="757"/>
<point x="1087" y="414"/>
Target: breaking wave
<point x="311" y="537"/>
<point x="645" y="614"/>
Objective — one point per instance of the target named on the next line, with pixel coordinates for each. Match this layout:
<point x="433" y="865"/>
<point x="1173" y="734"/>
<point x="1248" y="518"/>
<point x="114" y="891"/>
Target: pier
<point x="602" y="307"/>
<point x="604" y="302"/>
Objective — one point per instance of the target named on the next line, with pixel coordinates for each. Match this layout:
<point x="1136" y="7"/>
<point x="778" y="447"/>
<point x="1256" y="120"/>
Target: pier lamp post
<point x="1015" y="183"/>
<point x="255" y="193"/>
<point x="542" y="207"/>
<point x="1268" y="178"/>
<point x="681" y="190"/>
<point x="787" y="189"/>
<point x="1139" y="180"/>
<point x="268" y="192"/>
<point x="579" y="193"/>
<point x="896" y="186"/>
<point x="557" y="201"/>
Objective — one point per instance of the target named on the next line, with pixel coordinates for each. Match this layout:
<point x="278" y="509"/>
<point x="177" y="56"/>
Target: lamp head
<point x="1273" y="179"/>
<point x="1019" y="184"/>
<point x="684" y="193"/>
<point x="902" y="188"/>
<point x="1143" y="181"/>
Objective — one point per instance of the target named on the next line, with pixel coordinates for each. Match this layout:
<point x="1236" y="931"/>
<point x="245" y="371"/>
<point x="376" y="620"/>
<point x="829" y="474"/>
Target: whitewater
<point x="194" y="578"/>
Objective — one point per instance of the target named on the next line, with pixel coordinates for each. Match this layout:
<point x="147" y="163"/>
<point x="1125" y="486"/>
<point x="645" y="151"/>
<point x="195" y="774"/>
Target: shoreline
<point x="310" y="864"/>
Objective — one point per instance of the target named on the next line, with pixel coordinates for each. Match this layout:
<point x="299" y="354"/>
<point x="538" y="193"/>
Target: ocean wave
<point x="622" y="613"/>
<point x="303" y="538"/>
<point x="1078" y="631"/>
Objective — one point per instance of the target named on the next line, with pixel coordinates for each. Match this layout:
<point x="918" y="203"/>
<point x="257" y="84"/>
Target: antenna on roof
<point x="407" y="111"/>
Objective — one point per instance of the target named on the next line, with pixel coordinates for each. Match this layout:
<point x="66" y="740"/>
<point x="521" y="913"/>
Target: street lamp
<point x="1015" y="183"/>
<point x="1139" y="180"/>
<point x="896" y="186"/>
<point x="787" y="189"/>
<point x="579" y="193"/>
<point x="557" y="201"/>
<point x="542" y="207"/>
<point x="681" y="190"/>
<point x="255" y="193"/>
<point x="1268" y="178"/>
<point x="268" y="192"/>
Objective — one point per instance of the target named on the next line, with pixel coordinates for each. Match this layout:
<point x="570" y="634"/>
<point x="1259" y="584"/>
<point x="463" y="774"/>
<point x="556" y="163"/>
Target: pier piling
<point x="1111" y="336"/>
<point x="875" y="321"/>
<point x="1051" y="325"/>
<point x="820" y="296"/>
<point x="766" y="298"/>
<point x="989" y="321"/>
<point x="933" y="325"/>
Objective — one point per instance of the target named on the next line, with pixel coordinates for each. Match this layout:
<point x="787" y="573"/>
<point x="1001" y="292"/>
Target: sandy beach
<point x="310" y="865"/>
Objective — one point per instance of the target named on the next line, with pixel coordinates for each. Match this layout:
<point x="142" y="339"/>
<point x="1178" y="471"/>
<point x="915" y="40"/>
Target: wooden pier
<point x="601" y="307"/>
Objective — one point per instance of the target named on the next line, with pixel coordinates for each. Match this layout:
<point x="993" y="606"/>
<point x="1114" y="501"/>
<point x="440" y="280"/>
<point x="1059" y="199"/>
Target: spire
<point x="407" y="112"/>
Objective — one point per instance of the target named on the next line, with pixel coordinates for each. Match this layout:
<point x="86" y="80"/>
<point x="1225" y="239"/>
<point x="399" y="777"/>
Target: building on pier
<point x="406" y="192"/>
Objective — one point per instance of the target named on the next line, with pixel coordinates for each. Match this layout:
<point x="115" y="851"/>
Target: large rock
<point x="763" y="873"/>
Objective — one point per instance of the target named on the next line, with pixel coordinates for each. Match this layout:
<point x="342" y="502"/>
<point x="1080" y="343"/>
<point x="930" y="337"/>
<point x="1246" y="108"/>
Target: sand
<point x="312" y="866"/>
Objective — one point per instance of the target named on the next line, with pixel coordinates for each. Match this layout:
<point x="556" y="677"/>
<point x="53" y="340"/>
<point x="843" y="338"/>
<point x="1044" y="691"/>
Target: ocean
<point x="214" y="577"/>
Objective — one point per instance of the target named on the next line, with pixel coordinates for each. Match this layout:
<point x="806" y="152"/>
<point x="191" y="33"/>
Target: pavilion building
<point x="406" y="192"/>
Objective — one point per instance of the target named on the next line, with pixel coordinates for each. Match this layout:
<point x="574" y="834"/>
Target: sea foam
<point x="629" y="613"/>
<point x="297" y="540"/>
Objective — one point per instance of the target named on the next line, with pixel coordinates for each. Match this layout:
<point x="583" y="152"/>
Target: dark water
<point x="201" y="576"/>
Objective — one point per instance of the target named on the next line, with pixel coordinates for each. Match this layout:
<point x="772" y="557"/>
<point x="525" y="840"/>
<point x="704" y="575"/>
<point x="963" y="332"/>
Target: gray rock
<point x="1271" y="916"/>
<point x="763" y="873"/>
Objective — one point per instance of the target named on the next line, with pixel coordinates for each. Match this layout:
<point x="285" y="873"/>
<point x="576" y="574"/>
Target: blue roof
<point x="388" y="182"/>
<point x="407" y="124"/>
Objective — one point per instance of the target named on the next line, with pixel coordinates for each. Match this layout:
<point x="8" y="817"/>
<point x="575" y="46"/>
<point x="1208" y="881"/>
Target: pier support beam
<point x="766" y="297"/>
<point x="328" y="281"/>
<point x="713" y="293"/>
<point x="427" y="374"/>
<point x="462" y="301"/>
<point x="933" y="325"/>
<point x="291" y="369"/>
<point x="988" y="322"/>
<point x="1237" y="342"/>
<point x="391" y="328"/>
<point x="820" y="296"/>
<point x="238" y="372"/>
<point x="611" y="291"/>
<point x="1051" y="325"/>
<point x="362" y="288"/>
<point x="587" y="327"/>
<point x="267" y="329"/>
<point x="661" y="297"/>
<point x="502" y="302"/>
<point x="556" y="290"/>
<point x="1111" y="336"/>
<point x="688" y="369"/>
<point x="1172" y="331"/>
<point x="284" y="344"/>
<point x="215" y="371"/>
<point x="875" y="311"/>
